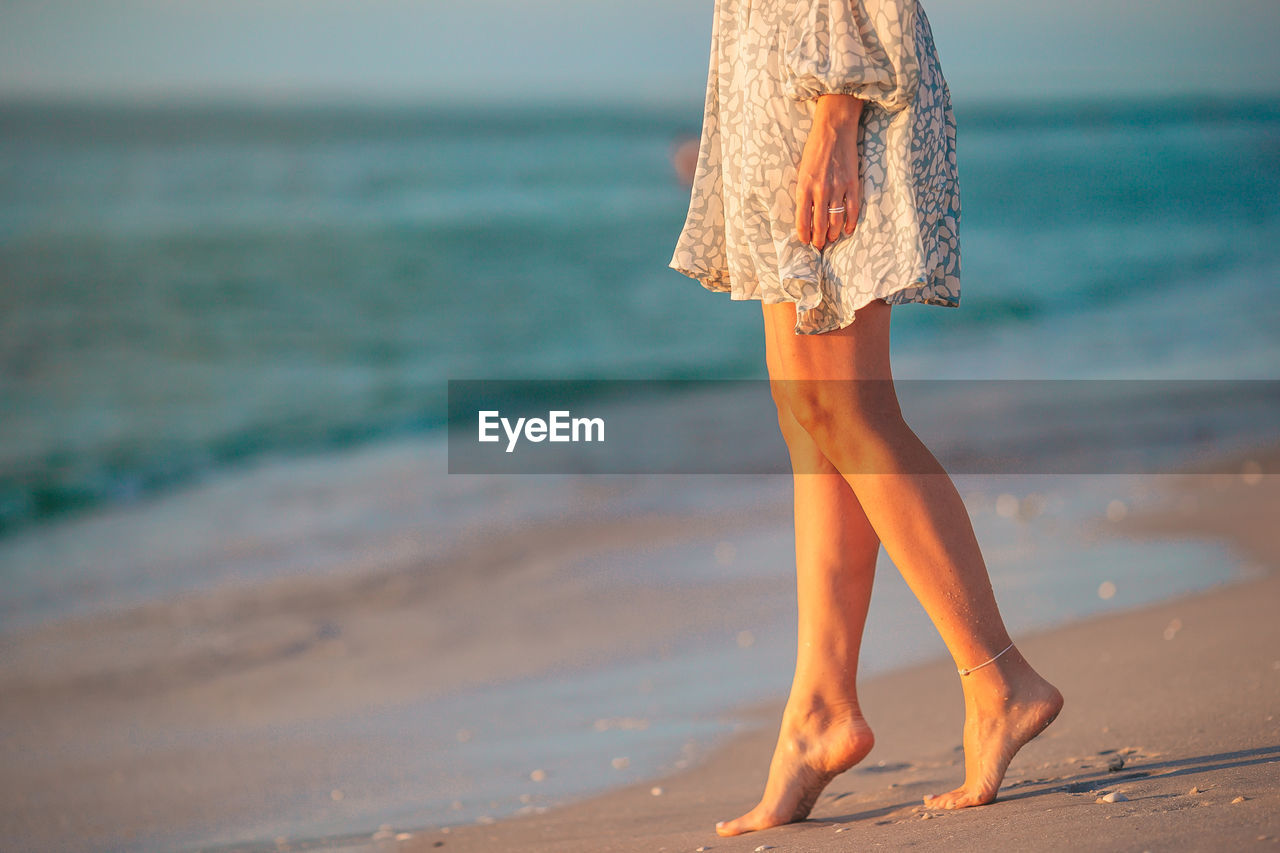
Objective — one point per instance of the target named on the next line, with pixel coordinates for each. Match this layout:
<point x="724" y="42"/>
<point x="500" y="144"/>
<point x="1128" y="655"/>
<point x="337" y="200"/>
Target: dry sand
<point x="1176" y="707"/>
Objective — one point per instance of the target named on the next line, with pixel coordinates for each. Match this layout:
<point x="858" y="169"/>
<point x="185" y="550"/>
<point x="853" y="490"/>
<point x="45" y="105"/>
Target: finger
<point x="836" y="219"/>
<point x="804" y="215"/>
<point x="820" y="217"/>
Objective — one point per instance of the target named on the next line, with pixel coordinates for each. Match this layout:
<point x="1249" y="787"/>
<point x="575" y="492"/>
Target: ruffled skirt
<point x="739" y="236"/>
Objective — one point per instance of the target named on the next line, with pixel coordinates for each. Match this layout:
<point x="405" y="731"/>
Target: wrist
<point x="838" y="111"/>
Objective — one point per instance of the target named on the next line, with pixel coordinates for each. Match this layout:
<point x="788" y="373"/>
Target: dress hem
<point x="719" y="281"/>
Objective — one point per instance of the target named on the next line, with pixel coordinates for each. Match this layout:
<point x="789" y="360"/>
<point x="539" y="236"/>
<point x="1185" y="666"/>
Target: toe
<point x="961" y="798"/>
<point x="945" y="801"/>
<point x="727" y="828"/>
<point x="753" y="821"/>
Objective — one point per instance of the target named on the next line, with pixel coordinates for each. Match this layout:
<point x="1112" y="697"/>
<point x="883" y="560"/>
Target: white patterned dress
<point x="770" y="60"/>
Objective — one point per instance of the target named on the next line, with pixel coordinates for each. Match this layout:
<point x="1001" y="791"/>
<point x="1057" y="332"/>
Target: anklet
<point x="984" y="663"/>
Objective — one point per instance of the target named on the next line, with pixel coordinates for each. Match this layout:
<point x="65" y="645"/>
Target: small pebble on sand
<point x="621" y="763"/>
<point x="703" y="849"/>
<point x="1115" y="764"/>
<point x="656" y="791"/>
<point x="538" y="775"/>
<point x="1194" y="791"/>
<point x="1113" y="797"/>
<point x="764" y="847"/>
<point x="1172" y="629"/>
<point x="1238" y="800"/>
<point x="404" y="836"/>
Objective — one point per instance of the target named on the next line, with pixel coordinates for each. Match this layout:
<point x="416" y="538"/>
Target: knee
<point x="792" y="431"/>
<point x="861" y="413"/>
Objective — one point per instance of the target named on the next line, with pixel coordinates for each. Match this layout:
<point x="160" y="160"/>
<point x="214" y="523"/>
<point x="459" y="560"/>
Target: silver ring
<point x="835" y="209"/>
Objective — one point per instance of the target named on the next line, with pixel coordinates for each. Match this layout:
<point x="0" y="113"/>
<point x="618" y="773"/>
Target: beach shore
<point x="1174" y="707"/>
<point x="314" y="712"/>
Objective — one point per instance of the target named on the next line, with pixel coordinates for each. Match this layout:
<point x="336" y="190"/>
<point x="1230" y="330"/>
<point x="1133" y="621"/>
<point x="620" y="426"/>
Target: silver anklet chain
<point x="984" y="663"/>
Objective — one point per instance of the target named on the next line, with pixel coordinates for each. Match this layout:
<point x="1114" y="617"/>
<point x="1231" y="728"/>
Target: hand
<point x="828" y="172"/>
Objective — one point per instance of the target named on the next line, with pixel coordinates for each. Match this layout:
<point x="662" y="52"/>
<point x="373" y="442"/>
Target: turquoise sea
<point x="183" y="289"/>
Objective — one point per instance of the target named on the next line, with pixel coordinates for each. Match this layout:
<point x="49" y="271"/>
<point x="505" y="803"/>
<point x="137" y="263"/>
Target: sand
<point x="1176" y="707"/>
<point x="210" y="716"/>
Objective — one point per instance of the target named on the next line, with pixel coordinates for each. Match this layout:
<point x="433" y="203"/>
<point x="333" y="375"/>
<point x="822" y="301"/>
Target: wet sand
<point x="1174" y="707"/>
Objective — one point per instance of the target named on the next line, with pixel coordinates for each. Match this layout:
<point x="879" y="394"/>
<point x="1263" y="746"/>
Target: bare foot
<point x="813" y="748"/>
<point x="1003" y="711"/>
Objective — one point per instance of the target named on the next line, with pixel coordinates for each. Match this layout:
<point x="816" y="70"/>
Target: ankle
<point x="1007" y="680"/>
<point x="983" y="660"/>
<point x="822" y="711"/>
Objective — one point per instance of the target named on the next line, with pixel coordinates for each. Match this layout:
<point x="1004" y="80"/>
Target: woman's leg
<point x="823" y="732"/>
<point x="921" y="520"/>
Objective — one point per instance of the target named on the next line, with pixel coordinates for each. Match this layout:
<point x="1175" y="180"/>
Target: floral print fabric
<point x="770" y="60"/>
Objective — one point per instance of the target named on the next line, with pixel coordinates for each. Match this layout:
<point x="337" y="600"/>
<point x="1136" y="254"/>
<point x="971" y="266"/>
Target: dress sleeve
<point x="865" y="48"/>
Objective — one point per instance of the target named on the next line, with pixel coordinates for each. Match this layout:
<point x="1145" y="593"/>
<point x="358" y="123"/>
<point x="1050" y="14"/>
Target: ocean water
<point x="184" y="290"/>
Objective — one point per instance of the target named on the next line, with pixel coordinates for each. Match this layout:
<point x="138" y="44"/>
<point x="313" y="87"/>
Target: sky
<point x="521" y="50"/>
